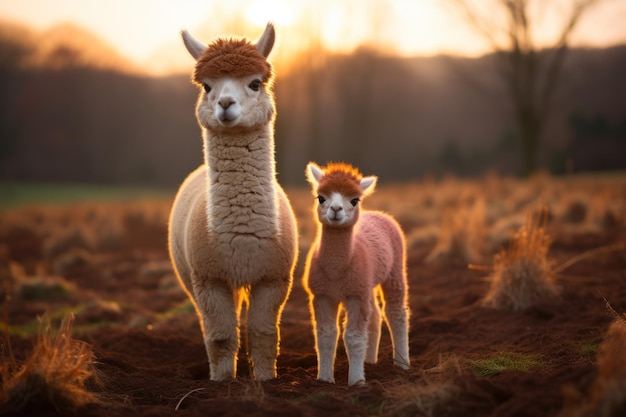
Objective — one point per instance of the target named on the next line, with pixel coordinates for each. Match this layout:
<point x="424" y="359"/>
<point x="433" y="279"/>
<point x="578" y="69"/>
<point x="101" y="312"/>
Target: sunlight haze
<point x="146" y="31"/>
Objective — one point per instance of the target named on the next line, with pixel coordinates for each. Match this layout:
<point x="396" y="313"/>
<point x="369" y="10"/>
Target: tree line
<point x="399" y="118"/>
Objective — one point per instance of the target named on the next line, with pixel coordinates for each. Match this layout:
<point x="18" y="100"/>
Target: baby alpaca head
<point x="235" y="79"/>
<point x="339" y="188"/>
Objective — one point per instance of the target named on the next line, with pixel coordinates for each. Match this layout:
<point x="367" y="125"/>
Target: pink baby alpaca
<point x="355" y="257"/>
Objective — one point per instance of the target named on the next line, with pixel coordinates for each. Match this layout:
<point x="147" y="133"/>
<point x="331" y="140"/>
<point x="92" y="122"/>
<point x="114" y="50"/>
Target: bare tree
<point x="531" y="77"/>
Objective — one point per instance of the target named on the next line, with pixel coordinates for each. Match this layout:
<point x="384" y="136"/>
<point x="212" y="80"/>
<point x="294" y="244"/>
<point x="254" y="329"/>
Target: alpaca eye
<point x="207" y="88"/>
<point x="321" y="199"/>
<point x="255" y="85"/>
<point x="354" y="202"/>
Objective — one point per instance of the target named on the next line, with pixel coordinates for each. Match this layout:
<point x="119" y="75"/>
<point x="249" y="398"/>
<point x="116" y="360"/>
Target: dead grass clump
<point x="44" y="288"/>
<point x="522" y="273"/>
<point x="73" y="258"/>
<point x="107" y="229"/>
<point x="422" y="235"/>
<point x="608" y="395"/>
<point x="6" y="278"/>
<point x="41" y="286"/>
<point x="54" y="375"/>
<point x="462" y="234"/>
<point x="425" y="398"/>
<point x="88" y="227"/>
<point x="576" y="210"/>
<point x="591" y="210"/>
<point x="62" y="240"/>
<point x="431" y="396"/>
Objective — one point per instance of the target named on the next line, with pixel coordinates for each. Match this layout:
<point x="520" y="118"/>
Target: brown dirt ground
<point x="150" y="359"/>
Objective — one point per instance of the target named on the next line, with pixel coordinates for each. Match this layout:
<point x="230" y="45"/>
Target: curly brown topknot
<point x="340" y="177"/>
<point x="232" y="58"/>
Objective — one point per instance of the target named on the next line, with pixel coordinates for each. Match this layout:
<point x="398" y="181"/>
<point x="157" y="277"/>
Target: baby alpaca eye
<point x="207" y="88"/>
<point x="321" y="199"/>
<point x="354" y="202"/>
<point x="255" y="85"/>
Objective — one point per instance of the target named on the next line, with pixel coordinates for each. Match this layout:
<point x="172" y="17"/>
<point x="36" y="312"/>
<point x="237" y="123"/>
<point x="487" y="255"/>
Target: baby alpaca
<point x="356" y="256"/>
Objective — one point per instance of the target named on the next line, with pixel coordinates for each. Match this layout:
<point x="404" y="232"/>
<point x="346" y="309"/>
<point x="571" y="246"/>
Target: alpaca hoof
<point x="264" y="378"/>
<point x="359" y="383"/>
<point x="264" y="374"/>
<point x="402" y="364"/>
<point x="223" y="378"/>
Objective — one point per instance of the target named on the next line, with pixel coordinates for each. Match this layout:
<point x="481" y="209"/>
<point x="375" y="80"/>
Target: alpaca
<point x="355" y="257"/>
<point x="232" y="231"/>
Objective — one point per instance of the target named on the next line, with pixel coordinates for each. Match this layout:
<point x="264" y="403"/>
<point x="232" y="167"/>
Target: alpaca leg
<point x="397" y="318"/>
<point x="355" y="338"/>
<point x="326" y="333"/>
<point x="374" y="330"/>
<point x="266" y="303"/>
<point x="217" y="306"/>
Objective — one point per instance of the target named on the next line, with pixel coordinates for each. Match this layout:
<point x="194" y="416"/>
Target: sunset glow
<point x="146" y="32"/>
<point x="262" y="11"/>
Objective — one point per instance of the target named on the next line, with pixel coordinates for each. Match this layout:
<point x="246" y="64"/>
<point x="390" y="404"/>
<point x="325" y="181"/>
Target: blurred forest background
<point x="73" y="110"/>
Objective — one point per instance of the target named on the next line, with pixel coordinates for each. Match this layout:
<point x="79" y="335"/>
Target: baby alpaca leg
<point x="397" y="318"/>
<point x="217" y="307"/>
<point x="355" y="338"/>
<point x="374" y="330"/>
<point x="326" y="333"/>
<point x="266" y="304"/>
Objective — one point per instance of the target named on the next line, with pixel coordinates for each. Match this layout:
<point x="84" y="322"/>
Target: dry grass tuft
<point x="54" y="375"/>
<point x="431" y="396"/>
<point x="40" y="286"/>
<point x="522" y="273"/>
<point x="462" y="233"/>
<point x="607" y="397"/>
<point x="425" y="398"/>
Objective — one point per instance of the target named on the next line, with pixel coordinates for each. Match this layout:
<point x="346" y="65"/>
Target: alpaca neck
<point x="241" y="174"/>
<point x="336" y="246"/>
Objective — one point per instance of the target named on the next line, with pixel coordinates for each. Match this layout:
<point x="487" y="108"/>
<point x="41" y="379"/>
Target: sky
<point x="147" y="31"/>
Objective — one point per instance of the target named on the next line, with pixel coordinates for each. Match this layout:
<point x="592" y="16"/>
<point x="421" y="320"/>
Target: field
<point x="134" y="347"/>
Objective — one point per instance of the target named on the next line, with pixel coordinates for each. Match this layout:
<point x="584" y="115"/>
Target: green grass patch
<point x="16" y="194"/>
<point x="32" y="328"/>
<point x="589" y="347"/>
<point x="41" y="290"/>
<point x="506" y="361"/>
<point x="183" y="307"/>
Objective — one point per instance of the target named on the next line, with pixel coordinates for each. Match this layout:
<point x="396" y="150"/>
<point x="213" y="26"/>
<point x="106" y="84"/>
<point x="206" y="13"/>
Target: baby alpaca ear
<point x="313" y="174"/>
<point x="368" y="184"/>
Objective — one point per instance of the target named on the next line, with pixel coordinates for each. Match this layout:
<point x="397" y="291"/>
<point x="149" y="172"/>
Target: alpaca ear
<point x="194" y="46"/>
<point x="266" y="42"/>
<point x="314" y="174"/>
<point x="368" y="184"/>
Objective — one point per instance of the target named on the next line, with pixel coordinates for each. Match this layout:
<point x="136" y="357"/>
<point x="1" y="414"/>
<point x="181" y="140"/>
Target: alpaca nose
<point x="226" y="102"/>
<point x="336" y="209"/>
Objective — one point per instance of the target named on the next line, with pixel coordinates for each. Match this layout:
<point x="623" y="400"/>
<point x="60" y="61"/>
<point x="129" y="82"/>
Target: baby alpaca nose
<point x="336" y="209"/>
<point x="226" y="102"/>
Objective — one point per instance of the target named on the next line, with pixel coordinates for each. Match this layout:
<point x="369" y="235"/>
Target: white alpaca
<point x="232" y="232"/>
<point x="355" y="256"/>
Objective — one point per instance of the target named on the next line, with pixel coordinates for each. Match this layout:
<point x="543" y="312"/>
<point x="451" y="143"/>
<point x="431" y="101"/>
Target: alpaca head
<point x="235" y="80"/>
<point x="338" y="188"/>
